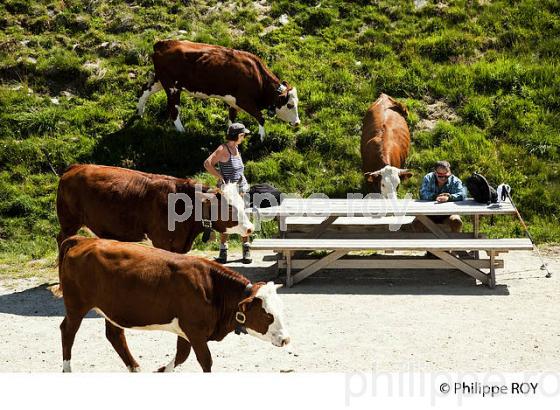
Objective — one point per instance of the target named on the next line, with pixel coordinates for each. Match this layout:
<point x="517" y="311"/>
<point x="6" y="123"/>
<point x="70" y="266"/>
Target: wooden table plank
<point x="380" y="263"/>
<point x="379" y="207"/>
<point x="394" y="244"/>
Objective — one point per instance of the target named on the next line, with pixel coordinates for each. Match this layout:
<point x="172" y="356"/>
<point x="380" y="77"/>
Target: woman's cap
<point x="237" y="128"/>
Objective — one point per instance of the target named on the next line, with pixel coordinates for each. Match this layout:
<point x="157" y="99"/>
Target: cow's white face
<point x="234" y="199"/>
<point x="389" y="181"/>
<point x="390" y="178"/>
<point x="277" y="332"/>
<point x="289" y="111"/>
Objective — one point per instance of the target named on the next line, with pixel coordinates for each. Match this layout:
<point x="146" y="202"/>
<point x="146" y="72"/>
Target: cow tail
<point x="56" y="290"/>
<point x="65" y="246"/>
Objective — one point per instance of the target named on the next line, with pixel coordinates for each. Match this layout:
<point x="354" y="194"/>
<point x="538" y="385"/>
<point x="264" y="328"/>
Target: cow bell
<point x="240" y="317"/>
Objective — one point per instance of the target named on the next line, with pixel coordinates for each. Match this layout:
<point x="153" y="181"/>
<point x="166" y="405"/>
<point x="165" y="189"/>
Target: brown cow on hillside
<point x="237" y="77"/>
<point x="139" y="287"/>
<point x="128" y="205"/>
<point x="384" y="145"/>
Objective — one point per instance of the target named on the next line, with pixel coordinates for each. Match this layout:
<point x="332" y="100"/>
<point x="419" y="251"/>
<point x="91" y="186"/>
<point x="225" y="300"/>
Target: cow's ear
<point x="371" y="176"/>
<point x="215" y="190"/>
<point x="245" y="302"/>
<point x="283" y="89"/>
<point x="282" y="100"/>
<point x="405" y="175"/>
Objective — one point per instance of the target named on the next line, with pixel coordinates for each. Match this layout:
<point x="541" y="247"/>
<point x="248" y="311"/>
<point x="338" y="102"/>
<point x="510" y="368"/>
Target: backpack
<point x="268" y="196"/>
<point x="480" y="189"/>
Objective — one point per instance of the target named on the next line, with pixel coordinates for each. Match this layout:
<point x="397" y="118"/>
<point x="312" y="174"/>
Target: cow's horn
<point x="214" y="191"/>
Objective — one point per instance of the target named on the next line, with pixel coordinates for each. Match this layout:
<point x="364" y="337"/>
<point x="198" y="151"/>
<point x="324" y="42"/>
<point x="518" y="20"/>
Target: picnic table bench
<point x="340" y="226"/>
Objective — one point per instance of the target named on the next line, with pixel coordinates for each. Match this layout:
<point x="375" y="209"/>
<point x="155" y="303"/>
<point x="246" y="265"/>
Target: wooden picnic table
<point x="322" y="214"/>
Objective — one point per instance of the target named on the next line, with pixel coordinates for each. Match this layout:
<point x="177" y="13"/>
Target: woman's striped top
<point x="232" y="171"/>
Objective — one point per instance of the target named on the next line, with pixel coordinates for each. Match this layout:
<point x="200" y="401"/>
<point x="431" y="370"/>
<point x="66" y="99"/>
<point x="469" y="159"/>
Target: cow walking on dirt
<point x="238" y="78"/>
<point x="139" y="287"/>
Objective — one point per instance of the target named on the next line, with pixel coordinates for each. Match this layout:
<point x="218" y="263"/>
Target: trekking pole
<point x="544" y="266"/>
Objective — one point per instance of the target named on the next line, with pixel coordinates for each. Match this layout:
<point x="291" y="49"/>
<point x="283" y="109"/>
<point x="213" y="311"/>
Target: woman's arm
<point x="212" y="160"/>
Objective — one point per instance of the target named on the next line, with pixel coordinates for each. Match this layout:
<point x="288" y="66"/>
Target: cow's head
<point x="389" y="179"/>
<point x="225" y="208"/>
<point x="262" y="314"/>
<point x="286" y="105"/>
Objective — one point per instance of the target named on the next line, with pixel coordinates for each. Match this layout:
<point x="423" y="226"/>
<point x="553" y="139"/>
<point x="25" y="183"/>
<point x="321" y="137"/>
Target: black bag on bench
<point x="480" y="189"/>
<point x="268" y="196"/>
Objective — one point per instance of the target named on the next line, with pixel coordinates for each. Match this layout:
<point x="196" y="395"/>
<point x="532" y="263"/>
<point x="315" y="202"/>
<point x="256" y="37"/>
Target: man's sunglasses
<point x="442" y="176"/>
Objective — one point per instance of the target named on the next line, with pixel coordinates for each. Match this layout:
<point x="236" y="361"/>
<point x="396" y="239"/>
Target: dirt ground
<point x="339" y="321"/>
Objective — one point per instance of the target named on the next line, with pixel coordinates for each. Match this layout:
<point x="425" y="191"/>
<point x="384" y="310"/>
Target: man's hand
<point x="443" y="198"/>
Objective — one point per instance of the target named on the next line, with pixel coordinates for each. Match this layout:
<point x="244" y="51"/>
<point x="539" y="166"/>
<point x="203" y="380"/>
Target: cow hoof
<point x="167" y="369"/>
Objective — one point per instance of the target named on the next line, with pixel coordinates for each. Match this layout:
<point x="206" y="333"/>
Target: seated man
<point x="442" y="186"/>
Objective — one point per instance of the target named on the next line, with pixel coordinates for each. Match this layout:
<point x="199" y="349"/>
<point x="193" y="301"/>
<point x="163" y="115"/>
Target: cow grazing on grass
<point x="239" y="78"/>
<point x="139" y="287"/>
<point x="384" y="146"/>
<point x="127" y="205"/>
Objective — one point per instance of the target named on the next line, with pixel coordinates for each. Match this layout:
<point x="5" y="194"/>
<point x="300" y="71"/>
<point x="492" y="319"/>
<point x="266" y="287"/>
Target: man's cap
<point x="237" y="128"/>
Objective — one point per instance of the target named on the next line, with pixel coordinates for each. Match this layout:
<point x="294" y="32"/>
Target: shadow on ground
<point x="374" y="282"/>
<point x="37" y="301"/>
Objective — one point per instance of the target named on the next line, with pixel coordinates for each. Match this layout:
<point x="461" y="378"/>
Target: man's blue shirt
<point x="430" y="189"/>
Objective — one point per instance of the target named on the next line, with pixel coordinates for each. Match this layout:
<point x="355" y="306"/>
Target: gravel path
<point x="339" y="321"/>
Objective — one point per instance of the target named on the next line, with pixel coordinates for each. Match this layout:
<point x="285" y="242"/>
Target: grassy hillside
<point x="480" y="78"/>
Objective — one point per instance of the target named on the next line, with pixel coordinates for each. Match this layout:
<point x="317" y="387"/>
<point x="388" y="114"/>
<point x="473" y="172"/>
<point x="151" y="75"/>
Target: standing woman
<point x="230" y="169"/>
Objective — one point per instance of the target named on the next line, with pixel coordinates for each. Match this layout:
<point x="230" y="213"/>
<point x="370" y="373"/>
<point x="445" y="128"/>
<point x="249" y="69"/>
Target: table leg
<point x="462" y="266"/>
<point x="282" y="228"/>
<point x="432" y="226"/>
<point x="492" y="278"/>
<point x="319" y="229"/>
<point x="476" y="232"/>
<point x="476" y="225"/>
<point x="289" y="280"/>
<point x="320" y="264"/>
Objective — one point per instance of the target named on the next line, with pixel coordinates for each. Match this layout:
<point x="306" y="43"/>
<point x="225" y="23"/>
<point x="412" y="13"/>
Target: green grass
<point x="494" y="64"/>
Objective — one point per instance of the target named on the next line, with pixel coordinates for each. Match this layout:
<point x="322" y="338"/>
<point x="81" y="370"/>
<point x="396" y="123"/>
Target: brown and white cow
<point x="237" y="77"/>
<point x="384" y="146"/>
<point x="128" y="205"/>
<point x="139" y="287"/>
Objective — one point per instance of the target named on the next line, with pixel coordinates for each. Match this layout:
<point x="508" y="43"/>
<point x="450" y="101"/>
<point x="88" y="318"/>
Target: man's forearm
<point x="456" y="197"/>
